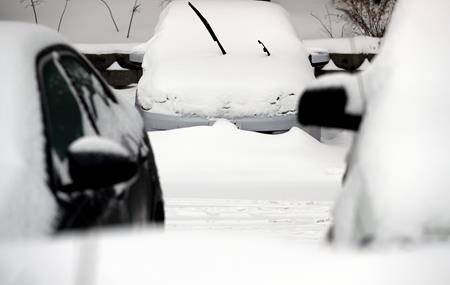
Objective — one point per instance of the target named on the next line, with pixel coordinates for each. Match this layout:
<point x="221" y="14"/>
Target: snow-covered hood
<point x="186" y="74"/>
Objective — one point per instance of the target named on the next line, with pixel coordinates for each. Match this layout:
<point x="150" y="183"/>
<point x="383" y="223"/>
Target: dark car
<point x="74" y="156"/>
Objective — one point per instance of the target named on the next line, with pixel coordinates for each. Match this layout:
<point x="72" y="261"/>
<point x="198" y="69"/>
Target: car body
<point x="397" y="185"/>
<point x="254" y="78"/>
<point x="73" y="155"/>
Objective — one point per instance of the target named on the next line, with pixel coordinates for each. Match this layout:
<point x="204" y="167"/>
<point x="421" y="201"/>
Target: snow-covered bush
<point x="369" y="17"/>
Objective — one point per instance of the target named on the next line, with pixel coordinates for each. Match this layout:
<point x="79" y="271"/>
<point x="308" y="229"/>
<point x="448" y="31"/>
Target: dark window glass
<point x="87" y="85"/>
<point x="63" y="112"/>
<point x="98" y="103"/>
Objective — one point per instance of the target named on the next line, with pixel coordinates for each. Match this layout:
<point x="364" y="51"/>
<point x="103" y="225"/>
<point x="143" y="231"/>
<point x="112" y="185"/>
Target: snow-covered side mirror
<point x="326" y="107"/>
<point x="318" y="57"/>
<point x="96" y="162"/>
<point x="335" y="101"/>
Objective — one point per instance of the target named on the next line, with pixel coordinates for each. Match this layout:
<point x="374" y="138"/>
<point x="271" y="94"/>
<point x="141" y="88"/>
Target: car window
<point x="93" y="95"/>
<point x="63" y="117"/>
<point x="64" y="113"/>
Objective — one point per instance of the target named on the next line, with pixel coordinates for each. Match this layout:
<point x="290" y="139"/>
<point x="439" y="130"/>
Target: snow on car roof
<point x="22" y="162"/>
<point x="238" y="25"/>
<point x="185" y="72"/>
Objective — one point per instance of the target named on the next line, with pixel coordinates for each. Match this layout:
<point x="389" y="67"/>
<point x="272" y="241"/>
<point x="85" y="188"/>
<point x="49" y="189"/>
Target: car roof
<point x="21" y="125"/>
<point x="21" y="43"/>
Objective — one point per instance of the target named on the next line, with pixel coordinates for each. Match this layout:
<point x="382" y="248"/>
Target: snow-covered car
<point x="397" y="183"/>
<point x="72" y="154"/>
<point x="238" y="60"/>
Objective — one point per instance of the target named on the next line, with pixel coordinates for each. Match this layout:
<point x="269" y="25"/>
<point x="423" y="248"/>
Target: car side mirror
<point x="326" y="107"/>
<point x="319" y="58"/>
<point x="96" y="162"/>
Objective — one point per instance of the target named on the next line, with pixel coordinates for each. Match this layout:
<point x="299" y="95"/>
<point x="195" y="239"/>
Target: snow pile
<point x="186" y="74"/>
<point x="355" y="45"/>
<point x="398" y="183"/>
<point x="154" y="258"/>
<point x="224" y="162"/>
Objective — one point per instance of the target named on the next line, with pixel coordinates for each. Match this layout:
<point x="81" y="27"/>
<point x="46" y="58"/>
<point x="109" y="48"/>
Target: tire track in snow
<point x="304" y="221"/>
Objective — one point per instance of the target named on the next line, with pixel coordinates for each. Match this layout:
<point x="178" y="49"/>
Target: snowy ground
<point x="224" y="162"/>
<point x="221" y="179"/>
<point x="302" y="221"/>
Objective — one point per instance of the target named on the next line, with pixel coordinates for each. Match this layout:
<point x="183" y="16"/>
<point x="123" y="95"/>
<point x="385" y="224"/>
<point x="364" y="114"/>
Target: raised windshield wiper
<point x="208" y="27"/>
<point x="264" y="48"/>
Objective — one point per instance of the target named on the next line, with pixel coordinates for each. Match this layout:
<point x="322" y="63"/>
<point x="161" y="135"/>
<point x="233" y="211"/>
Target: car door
<point x="77" y="104"/>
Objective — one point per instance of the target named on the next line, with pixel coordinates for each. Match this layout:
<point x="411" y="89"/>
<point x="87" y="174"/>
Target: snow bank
<point x="154" y="258"/>
<point x="224" y="162"/>
<point x="355" y="45"/>
<point x="27" y="206"/>
<point x="186" y="74"/>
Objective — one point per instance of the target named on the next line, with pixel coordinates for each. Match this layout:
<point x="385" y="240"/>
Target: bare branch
<point x="369" y="16"/>
<point x="134" y="10"/>
<point x="327" y="30"/>
<point x="110" y="14"/>
<point x="62" y="15"/>
<point x="32" y="4"/>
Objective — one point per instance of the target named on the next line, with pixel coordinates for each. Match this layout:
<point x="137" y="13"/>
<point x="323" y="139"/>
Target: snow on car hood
<point x="186" y="74"/>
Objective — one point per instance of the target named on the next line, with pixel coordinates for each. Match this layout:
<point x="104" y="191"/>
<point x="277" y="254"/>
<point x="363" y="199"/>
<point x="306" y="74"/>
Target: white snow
<point x="354" y="45"/>
<point x="97" y="144"/>
<point x="398" y="182"/>
<point x="27" y="206"/>
<point x="156" y="258"/>
<point x="186" y="74"/>
<point x="224" y="162"/>
<point x="304" y="222"/>
<point x="331" y="66"/>
<point x="127" y="95"/>
<point x="106" y="48"/>
<point x="115" y="66"/>
<point x="365" y="65"/>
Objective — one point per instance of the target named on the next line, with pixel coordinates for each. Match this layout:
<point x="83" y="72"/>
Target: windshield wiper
<point x="264" y="48"/>
<point x="208" y="27"/>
